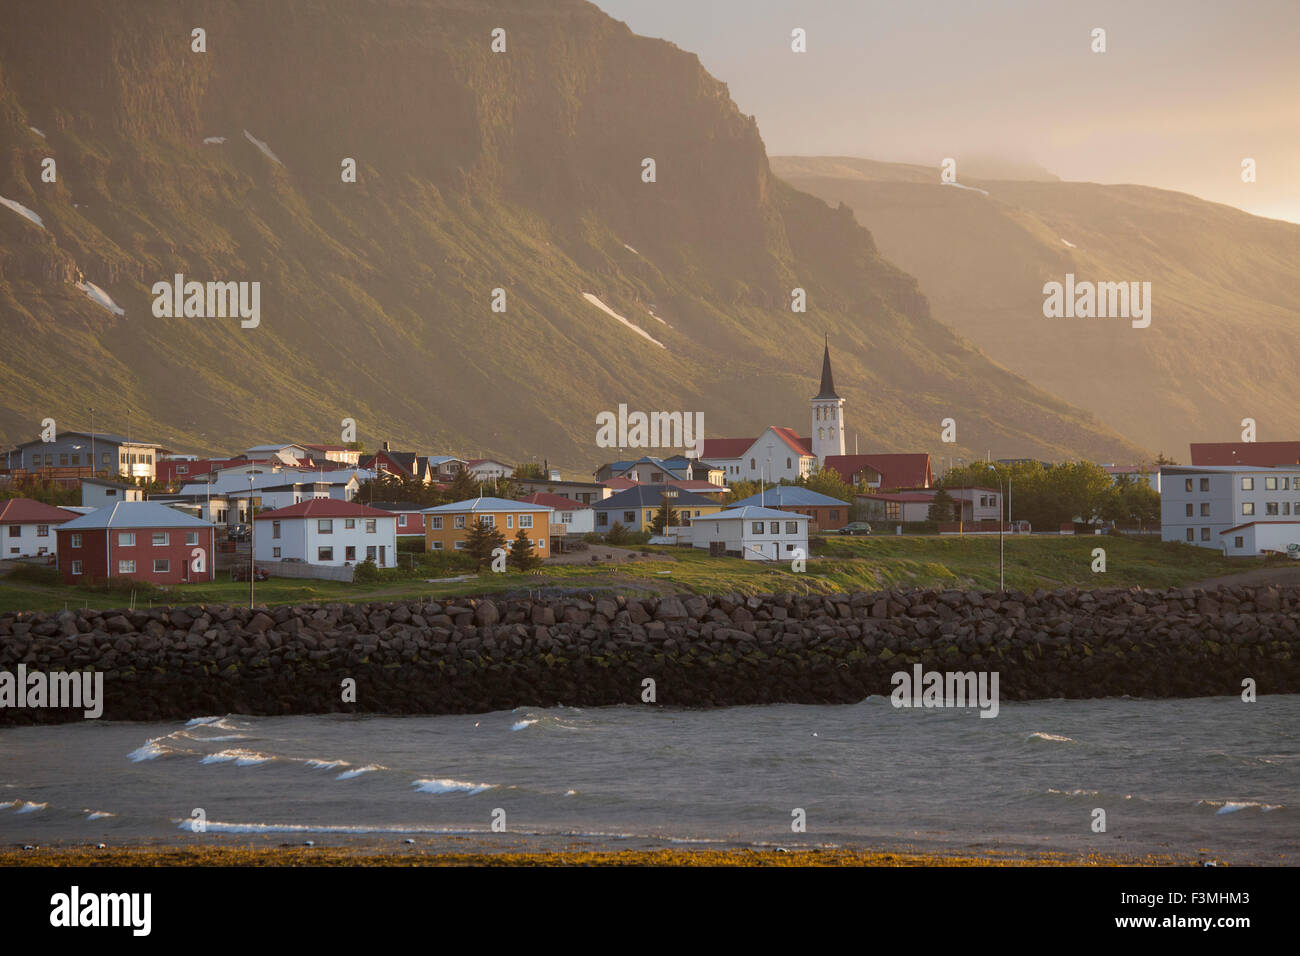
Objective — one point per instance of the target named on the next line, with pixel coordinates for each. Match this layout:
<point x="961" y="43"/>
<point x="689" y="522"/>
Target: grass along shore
<point x="297" y="856"/>
<point x="843" y="564"/>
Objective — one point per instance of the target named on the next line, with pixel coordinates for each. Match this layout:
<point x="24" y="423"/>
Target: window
<point x="458" y="521"/>
<point x="1270" y="484"/>
<point x="1247" y="484"/>
<point x="325" y="525"/>
<point x="324" y="554"/>
<point x="109" y="492"/>
<point x="126" y="567"/>
<point x="435" y="522"/>
<point x="1205" y="534"/>
<point x="1286" y="507"/>
<point x="160" y="539"/>
<point x="1248" y="507"/>
<point x="566" y="517"/>
<point x="510" y="521"/>
<point x="76" y="567"/>
<point x="275" y="529"/>
<point x="1205" y="484"/>
<point x="629" y="517"/>
<point x="275" y="552"/>
<point x="756" y="527"/>
<point x="540" y="543"/>
<point x="76" y="541"/>
<point x="751" y="464"/>
<point x="525" y="521"/>
<point x="191" y="537"/>
<point x="15" y="531"/>
<point x="1187" y="485"/>
<point x="792" y="527"/>
<point x="103" y="459"/>
<point x="401" y="521"/>
<point x="787" y="464"/>
<point x="126" y="539"/>
<point x="371" y="525"/>
<point x="774" y="527"/>
<point x="1205" y="509"/>
<point x="349" y="524"/>
<point x="1191" y="534"/>
<point x="1238" y="542"/>
<point x="42" y="531"/>
<point x="63" y="460"/>
<point x="350" y="553"/>
<point x="1187" y="510"/>
<point x="459" y="546"/>
<point x="1270" y="508"/>
<point x="76" y="459"/>
<point x="835" y="514"/>
<point x="602" y="519"/>
<point x="370" y="552"/>
<point x="161" y="566"/>
<point x="436" y="546"/>
<point x="182" y="469"/>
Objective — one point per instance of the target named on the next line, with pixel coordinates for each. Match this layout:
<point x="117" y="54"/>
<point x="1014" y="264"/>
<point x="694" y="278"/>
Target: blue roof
<point x="650" y="496"/>
<point x="791" y="496"/>
<point x="755" y="512"/>
<point x="134" y="514"/>
<point x="486" y="504"/>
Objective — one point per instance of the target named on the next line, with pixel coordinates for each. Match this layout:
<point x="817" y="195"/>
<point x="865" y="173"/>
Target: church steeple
<point x="827" y="436"/>
<point x="828" y="382"/>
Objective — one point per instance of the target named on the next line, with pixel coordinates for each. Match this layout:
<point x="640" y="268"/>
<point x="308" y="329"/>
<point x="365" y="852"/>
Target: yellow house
<point x="446" y="527"/>
<point x="635" y="508"/>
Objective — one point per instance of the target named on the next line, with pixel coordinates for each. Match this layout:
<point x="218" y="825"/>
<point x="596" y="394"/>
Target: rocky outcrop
<point x="471" y="655"/>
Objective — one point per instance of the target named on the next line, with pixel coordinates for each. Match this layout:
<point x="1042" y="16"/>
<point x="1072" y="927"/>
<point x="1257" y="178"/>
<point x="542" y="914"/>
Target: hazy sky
<point x="1185" y="91"/>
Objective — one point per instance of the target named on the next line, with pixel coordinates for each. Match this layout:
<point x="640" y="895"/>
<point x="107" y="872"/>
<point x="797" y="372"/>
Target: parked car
<point x="240" y="532"/>
<point x="856" y="527"/>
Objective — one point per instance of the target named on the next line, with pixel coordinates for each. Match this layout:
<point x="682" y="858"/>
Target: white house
<point x="27" y="527"/>
<point x="97" y="493"/>
<point x="326" y="531"/>
<point x="485" y="469"/>
<point x="779" y="453"/>
<point x="757" y="534"/>
<point x="574" y="517"/>
<point x="1241" y="509"/>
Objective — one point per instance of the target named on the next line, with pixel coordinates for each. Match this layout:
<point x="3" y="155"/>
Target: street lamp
<point x="252" y="549"/>
<point x="1002" y="554"/>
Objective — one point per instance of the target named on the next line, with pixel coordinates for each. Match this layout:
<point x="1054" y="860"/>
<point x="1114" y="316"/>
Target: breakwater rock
<point x="473" y="655"/>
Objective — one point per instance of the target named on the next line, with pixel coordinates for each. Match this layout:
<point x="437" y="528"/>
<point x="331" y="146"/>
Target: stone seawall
<point x="472" y="655"/>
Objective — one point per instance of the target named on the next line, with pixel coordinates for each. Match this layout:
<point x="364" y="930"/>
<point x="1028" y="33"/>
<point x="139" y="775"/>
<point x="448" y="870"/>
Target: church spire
<point x="828" y="383"/>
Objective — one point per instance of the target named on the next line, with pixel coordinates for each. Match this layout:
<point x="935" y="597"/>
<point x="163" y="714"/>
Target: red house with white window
<point x="141" y="540"/>
<point x="409" y="515"/>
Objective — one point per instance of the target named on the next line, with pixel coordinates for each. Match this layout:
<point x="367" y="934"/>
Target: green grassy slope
<point x="477" y="170"/>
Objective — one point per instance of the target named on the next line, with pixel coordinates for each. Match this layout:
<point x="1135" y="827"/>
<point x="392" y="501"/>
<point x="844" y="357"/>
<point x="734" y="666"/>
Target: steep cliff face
<point x="476" y="171"/>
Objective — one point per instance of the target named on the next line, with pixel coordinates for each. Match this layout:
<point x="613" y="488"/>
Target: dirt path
<point x="1287" y="575"/>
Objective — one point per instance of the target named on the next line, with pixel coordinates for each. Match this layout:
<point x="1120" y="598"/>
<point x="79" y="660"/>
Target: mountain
<point x="1225" y="291"/>
<point x="476" y="171"/>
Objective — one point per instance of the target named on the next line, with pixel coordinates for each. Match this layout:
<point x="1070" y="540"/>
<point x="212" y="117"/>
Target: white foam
<point x="349" y="774"/>
<point x="216" y="826"/>
<point x="1039" y="735"/>
<point x="98" y="814"/>
<point x="28" y="806"/>
<point x="150" y="750"/>
<point x="1236" y="806"/>
<point x="595" y="300"/>
<point x="22" y="211"/>
<point x="241" y="758"/>
<point x="450" y="786"/>
<point x="326" y="764"/>
<point x="263" y="147"/>
<point x="101" y="297"/>
<point x="521" y="724"/>
<point x="197" y="721"/>
<point x="214" y="140"/>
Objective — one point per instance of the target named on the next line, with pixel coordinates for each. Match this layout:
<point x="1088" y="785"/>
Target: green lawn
<point x="848" y="564"/>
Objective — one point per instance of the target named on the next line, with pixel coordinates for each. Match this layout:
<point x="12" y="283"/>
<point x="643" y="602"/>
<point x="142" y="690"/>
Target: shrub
<point x="366" y="572"/>
<point x="36" y="574"/>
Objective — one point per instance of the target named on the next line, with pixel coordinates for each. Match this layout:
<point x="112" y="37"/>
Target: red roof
<point x="553" y="501"/>
<point x="27" y="511"/>
<point x="802" y="446"/>
<point x="907" y="470"/>
<point x="325" y="508"/>
<point x="736" y="447"/>
<point x="1261" y="453"/>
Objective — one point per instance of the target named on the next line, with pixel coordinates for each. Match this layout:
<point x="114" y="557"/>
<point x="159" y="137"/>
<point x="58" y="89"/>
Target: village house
<point x="568" y="517"/>
<point x="141" y="540"/>
<point x="74" y="455"/>
<point x="635" y="508"/>
<point x="448" y="526"/>
<point x="328" y="532"/>
<point x="824" y="513"/>
<point x="409" y="515"/>
<point x="754" y="533"/>
<point x="27" y="527"/>
<point x="99" y="492"/>
<point x="489" y="469"/>
<point x="970" y="505"/>
<point x="1239" y="509"/>
<point x="582" y="492"/>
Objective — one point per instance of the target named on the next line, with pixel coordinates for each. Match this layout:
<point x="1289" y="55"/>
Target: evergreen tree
<point x="664" y="517"/>
<point x="617" y="533"/>
<point x="481" y="541"/>
<point x="941" y="508"/>
<point x="827" y="481"/>
<point x="463" y="486"/>
<point x="521" y="556"/>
